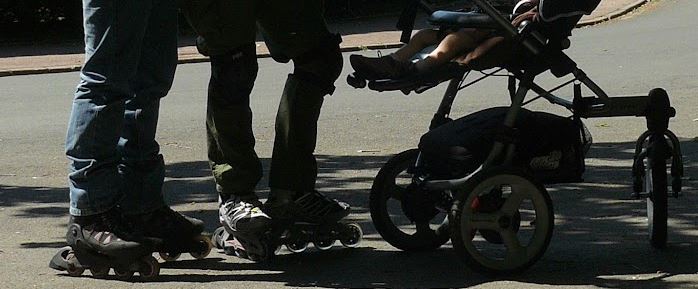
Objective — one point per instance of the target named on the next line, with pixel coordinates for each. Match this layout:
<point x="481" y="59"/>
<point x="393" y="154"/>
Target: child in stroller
<point x="452" y="44"/>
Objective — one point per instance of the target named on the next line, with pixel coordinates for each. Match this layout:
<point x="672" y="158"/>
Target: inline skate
<point x="176" y="233"/>
<point x="95" y="243"/>
<point x="311" y="218"/>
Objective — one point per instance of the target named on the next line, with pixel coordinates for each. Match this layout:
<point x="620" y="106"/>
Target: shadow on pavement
<point x="600" y="237"/>
<point x="370" y="268"/>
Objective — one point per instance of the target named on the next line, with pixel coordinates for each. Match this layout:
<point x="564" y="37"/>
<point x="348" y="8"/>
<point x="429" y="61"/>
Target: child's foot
<point x="385" y="67"/>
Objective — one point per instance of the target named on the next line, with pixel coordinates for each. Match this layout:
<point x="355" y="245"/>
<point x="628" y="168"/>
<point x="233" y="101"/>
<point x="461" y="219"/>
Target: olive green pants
<point x="296" y="31"/>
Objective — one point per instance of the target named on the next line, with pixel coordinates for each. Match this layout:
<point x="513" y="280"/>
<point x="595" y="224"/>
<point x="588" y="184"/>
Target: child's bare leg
<point x="420" y="40"/>
<point x="453" y="45"/>
<point x="396" y="64"/>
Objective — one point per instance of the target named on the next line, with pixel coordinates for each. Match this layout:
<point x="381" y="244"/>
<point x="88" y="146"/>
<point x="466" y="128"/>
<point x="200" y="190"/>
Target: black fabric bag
<point x="551" y="147"/>
<point x="551" y="10"/>
<point x="561" y="16"/>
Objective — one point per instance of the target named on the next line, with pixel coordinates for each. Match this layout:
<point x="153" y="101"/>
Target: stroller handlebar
<point x="406" y="21"/>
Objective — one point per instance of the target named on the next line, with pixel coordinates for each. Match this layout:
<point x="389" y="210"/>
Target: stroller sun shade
<point x="551" y="10"/>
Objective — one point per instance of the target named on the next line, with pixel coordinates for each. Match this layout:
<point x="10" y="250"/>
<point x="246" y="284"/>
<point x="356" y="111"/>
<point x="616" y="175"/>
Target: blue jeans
<point x="130" y="61"/>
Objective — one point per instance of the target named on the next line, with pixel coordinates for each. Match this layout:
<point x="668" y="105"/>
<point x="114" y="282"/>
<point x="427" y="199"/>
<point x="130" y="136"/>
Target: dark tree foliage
<point x="36" y="12"/>
<point x="56" y="20"/>
<point x="37" y="20"/>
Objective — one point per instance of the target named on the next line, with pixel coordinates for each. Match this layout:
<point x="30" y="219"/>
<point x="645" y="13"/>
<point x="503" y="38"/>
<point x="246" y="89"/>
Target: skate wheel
<point x="231" y="251"/>
<point x="323" y="245"/>
<point x="99" y="271"/>
<point x="353" y="236"/>
<point x="217" y="238"/>
<point x="205" y="247"/>
<point x="297" y="247"/>
<point x="123" y="274"/>
<point x="73" y="269"/>
<point x="169" y="257"/>
<point x="356" y="81"/>
<point x="150" y="268"/>
<point x="241" y="253"/>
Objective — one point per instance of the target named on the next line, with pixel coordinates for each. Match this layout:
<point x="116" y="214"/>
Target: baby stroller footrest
<point x="420" y="82"/>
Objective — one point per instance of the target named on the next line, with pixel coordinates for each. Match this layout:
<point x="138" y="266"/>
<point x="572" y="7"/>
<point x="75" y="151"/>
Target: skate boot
<point x="310" y="218"/>
<point x="384" y="67"/>
<point x="104" y="241"/>
<point x="244" y="229"/>
<point x="178" y="233"/>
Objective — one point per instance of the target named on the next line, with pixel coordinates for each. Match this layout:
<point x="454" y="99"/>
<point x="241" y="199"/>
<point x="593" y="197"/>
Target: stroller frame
<point x="653" y="148"/>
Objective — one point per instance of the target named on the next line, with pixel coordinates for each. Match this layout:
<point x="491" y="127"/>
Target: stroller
<point x="479" y="180"/>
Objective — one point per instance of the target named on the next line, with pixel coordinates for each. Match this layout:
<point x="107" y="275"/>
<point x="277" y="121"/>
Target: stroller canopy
<point x="551" y="10"/>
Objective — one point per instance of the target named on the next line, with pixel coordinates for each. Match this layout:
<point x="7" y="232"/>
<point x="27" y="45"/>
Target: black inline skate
<point x="177" y="233"/>
<point x="310" y="218"/>
<point x="102" y="242"/>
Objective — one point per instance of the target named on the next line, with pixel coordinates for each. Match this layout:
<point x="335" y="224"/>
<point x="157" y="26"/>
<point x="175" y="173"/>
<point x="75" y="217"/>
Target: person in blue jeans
<point x="116" y="169"/>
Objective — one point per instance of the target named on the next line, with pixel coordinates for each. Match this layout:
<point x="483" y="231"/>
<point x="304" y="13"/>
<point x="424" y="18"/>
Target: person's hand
<point x="530" y="15"/>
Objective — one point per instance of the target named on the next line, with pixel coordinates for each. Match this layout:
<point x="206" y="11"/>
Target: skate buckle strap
<point x="316" y="204"/>
<point x="103" y="237"/>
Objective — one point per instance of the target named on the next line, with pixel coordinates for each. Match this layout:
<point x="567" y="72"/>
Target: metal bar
<point x="497" y="17"/>
<point x="446" y="104"/>
<point x="581" y="76"/>
<point x="485" y="75"/>
<point x="439" y="185"/>
<point x="510" y="119"/>
<point x="613" y="106"/>
<point x="499" y="148"/>
<point x="547" y="94"/>
<point x="505" y="24"/>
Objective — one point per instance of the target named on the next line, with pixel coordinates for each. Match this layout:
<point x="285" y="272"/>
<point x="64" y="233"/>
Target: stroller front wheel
<point x="655" y="181"/>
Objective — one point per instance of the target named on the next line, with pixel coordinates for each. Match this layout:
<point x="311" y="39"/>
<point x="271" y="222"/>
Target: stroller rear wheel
<point x="523" y="223"/>
<point x="406" y="228"/>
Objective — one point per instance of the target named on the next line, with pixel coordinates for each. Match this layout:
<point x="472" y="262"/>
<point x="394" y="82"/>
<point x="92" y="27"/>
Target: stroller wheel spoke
<point x="492" y="241"/>
<point x="484" y="221"/>
<point x="513" y="202"/>
<point x="514" y="249"/>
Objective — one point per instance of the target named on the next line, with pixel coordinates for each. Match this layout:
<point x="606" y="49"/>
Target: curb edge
<point x="615" y="14"/>
<point x="201" y="59"/>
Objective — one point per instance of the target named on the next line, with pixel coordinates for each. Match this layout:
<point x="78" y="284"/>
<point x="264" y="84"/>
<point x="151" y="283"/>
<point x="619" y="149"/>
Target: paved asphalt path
<point x="600" y="235"/>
